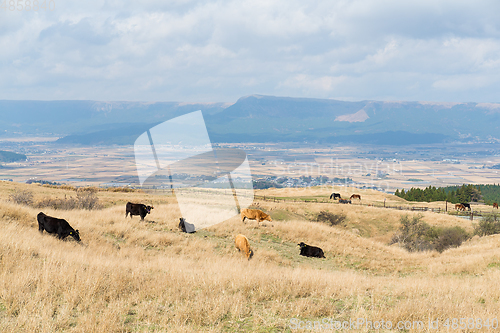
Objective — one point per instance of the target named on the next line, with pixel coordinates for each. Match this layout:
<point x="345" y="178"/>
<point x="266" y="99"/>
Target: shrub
<point x="488" y="225"/>
<point x="416" y="235"/>
<point x="24" y="197"/>
<point x="450" y="237"/>
<point x="122" y="189"/>
<point x="55" y="203"/>
<point x="330" y="218"/>
<point x="86" y="198"/>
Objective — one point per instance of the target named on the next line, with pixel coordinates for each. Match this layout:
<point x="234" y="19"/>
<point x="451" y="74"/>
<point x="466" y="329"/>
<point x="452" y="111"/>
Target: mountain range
<point x="258" y="118"/>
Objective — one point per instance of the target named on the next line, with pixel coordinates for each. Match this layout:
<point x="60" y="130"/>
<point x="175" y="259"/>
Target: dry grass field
<point x="128" y="275"/>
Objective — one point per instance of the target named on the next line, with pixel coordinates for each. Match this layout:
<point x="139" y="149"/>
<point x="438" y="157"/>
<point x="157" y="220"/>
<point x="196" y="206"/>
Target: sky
<point x="219" y="51"/>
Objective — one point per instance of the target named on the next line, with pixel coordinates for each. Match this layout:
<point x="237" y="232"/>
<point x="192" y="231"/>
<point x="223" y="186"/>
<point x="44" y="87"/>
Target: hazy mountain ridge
<point x="8" y="156"/>
<point x="84" y="117"/>
<point x="259" y="118"/>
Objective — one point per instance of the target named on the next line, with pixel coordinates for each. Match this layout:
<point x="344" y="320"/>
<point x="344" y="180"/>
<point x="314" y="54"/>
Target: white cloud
<point x="220" y="50"/>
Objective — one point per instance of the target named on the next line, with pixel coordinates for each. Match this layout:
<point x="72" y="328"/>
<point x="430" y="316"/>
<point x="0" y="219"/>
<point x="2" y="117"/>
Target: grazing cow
<point x="335" y="196"/>
<point x="56" y="226"/>
<point x="254" y="214"/>
<point x="138" y="209"/>
<point x="466" y="205"/>
<point x="344" y="201"/>
<point x="241" y="243"/>
<point x="355" y="196"/>
<point x="495" y="205"/>
<point x="186" y="227"/>
<point x="310" y="251"/>
<point x="459" y="207"/>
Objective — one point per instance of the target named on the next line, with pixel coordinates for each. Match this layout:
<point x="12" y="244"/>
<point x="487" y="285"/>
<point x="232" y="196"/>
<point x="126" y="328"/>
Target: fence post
<point x="471" y="215"/>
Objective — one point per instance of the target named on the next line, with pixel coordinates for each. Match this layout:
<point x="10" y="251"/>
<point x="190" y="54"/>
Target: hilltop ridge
<point x="258" y="118"/>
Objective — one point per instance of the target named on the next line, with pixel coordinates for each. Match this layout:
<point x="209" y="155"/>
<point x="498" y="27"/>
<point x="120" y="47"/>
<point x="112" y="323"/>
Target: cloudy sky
<point x="218" y="51"/>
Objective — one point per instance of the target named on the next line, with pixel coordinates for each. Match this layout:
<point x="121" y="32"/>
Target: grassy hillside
<point x="133" y="276"/>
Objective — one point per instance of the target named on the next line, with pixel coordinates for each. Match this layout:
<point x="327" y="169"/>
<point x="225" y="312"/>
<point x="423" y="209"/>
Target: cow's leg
<point x="61" y="233"/>
<point x="126" y="214"/>
<point x="40" y="228"/>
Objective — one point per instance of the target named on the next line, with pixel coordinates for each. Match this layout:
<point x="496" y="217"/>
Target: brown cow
<point x="241" y="243"/>
<point x="254" y="214"/>
<point x="355" y="196"/>
<point x="459" y="207"/>
<point x="495" y="205"/>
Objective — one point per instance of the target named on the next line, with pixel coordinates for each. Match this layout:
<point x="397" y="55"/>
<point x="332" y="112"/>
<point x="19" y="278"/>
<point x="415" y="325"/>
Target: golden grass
<point x="129" y="275"/>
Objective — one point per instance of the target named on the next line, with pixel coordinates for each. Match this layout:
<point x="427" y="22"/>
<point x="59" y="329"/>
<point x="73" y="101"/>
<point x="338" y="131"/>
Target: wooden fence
<point x="438" y="210"/>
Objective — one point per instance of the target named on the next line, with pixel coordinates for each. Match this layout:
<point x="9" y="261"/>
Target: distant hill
<point x="261" y="119"/>
<point x="366" y="121"/>
<point x="83" y="117"/>
<point x="8" y="156"/>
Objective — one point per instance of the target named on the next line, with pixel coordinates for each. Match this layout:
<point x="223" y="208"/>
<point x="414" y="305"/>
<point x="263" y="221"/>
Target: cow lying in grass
<point x="241" y="243"/>
<point x="254" y="214"/>
<point x="185" y="226"/>
<point x="310" y="251"/>
<point x="56" y="226"/>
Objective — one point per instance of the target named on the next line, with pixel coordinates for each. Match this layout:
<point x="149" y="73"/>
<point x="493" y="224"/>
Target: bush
<point x="488" y="225"/>
<point x="450" y="237"/>
<point x="86" y="198"/>
<point x="24" y="197"/>
<point x="416" y="235"/>
<point x="122" y="189"/>
<point x="330" y="218"/>
<point x="66" y="203"/>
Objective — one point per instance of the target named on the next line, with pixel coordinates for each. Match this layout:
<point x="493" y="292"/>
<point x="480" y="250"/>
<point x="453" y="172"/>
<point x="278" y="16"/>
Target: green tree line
<point x="453" y="194"/>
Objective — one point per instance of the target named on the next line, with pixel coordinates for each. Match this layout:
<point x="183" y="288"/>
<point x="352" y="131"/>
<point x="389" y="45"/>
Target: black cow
<point x="56" y="226"/>
<point x="335" y="196"/>
<point x="466" y="205"/>
<point x="185" y="226"/>
<point x="138" y="209"/>
<point x="311" y="251"/>
<point x="343" y="201"/>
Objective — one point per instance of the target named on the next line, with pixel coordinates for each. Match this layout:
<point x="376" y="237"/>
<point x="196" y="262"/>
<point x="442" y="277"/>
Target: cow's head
<point x="75" y="234"/>
<point x="251" y="255"/>
<point x="301" y="245"/>
<point x="148" y="209"/>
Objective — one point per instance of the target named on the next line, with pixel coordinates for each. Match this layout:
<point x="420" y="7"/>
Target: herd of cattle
<point x="460" y="206"/>
<point x="463" y="206"/>
<point x="62" y="229"/>
<point x="335" y="196"/>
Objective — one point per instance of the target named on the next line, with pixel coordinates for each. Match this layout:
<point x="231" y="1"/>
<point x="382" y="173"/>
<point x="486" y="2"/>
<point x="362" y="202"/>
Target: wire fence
<point x="448" y="210"/>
